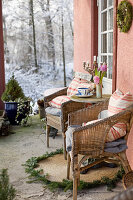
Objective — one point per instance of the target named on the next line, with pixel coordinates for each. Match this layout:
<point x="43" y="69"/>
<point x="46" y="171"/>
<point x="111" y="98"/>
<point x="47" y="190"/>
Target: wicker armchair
<point x="60" y="122"/>
<point x="89" y="140"/>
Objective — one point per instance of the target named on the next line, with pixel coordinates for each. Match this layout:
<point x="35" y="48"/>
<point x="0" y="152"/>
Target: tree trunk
<point x="30" y="38"/>
<point x="70" y="21"/>
<point x="6" y="51"/>
<point x="33" y="31"/>
<point x="63" y="51"/>
<point x="49" y="30"/>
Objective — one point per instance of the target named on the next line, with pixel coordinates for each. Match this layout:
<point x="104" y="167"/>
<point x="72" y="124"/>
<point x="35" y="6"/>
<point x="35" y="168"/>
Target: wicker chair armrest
<point x="87" y="114"/>
<point x="55" y="94"/>
<point x="67" y="108"/>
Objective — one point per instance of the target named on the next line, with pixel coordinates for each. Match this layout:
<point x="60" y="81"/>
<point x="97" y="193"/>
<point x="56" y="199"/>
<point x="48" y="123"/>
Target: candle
<point x="88" y="63"/>
<point x="95" y="58"/>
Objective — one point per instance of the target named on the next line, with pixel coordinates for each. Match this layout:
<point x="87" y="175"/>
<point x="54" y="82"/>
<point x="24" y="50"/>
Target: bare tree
<point x="6" y="50"/>
<point x="49" y="30"/>
<point x="32" y="22"/>
<point x="63" y="49"/>
<point x="36" y="33"/>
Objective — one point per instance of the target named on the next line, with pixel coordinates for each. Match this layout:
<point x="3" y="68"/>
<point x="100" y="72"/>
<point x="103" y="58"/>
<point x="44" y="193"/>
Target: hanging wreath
<point x="124" y="16"/>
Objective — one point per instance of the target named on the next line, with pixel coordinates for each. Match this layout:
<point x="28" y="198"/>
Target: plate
<point x="88" y="95"/>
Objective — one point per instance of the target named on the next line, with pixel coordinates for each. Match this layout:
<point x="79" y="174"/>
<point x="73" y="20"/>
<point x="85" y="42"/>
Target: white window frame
<point x="107" y="82"/>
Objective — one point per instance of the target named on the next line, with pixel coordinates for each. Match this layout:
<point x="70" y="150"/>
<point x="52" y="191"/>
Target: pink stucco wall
<point x="82" y="33"/>
<point x="125" y="73"/>
<point x="83" y="39"/>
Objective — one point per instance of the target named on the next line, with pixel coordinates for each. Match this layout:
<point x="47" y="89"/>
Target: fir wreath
<point x="37" y="176"/>
<point x="124" y="16"/>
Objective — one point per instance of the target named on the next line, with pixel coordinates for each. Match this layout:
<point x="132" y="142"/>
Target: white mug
<point x="83" y="91"/>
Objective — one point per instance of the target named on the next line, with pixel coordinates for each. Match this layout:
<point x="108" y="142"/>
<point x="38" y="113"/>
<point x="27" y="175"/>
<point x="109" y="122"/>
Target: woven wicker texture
<point x="60" y="123"/>
<point x="128" y="180"/>
<point x="56" y="168"/>
<point x="90" y="140"/>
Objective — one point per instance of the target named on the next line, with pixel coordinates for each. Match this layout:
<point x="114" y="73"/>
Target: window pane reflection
<point x="110" y="43"/>
<point x="104" y="43"/>
<point x="110" y="15"/>
<point x="104" y="59"/>
<point x="104" y="4"/>
<point x="111" y="2"/>
<point x="104" y="22"/>
<point x="110" y="65"/>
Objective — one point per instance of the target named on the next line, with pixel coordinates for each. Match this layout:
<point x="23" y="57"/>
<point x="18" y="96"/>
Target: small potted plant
<point x="100" y="72"/>
<point x="13" y="97"/>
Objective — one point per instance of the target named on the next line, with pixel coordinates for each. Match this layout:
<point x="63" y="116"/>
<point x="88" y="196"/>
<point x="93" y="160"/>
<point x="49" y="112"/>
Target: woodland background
<point x="38" y="43"/>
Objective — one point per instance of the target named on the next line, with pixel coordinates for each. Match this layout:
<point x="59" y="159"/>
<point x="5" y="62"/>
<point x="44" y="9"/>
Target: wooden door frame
<point x="115" y="40"/>
<point x="2" y="70"/>
<point x="94" y="44"/>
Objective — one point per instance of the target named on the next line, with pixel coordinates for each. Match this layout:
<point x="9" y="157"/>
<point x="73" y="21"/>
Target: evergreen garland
<point x="124" y="16"/>
<point x="36" y="176"/>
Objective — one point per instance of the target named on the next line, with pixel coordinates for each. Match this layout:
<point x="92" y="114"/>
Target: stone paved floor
<point x="26" y="142"/>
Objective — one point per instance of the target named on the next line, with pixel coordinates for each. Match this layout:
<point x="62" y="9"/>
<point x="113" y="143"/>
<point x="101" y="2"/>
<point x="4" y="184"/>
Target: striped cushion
<point x="73" y="87"/>
<point x="119" y="102"/>
<point x="76" y="83"/>
<point x="56" y="102"/>
<point x="116" y="132"/>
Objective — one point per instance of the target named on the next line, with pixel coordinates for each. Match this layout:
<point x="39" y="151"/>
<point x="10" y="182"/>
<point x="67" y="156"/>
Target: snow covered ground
<point x="34" y="84"/>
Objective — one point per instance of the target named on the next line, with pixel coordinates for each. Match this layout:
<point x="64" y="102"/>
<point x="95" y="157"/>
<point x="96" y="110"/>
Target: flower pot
<point x="99" y="90"/>
<point x="11" y="111"/>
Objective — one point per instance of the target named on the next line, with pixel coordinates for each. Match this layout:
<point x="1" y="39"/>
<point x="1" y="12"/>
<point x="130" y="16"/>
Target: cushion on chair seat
<point x="116" y="146"/>
<point x="53" y="111"/>
<point x="116" y="132"/>
<point x="72" y="89"/>
<point x="57" y="101"/>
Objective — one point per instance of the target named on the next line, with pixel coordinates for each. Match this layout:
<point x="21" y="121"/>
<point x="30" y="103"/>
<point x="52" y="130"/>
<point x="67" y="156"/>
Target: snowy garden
<point x="38" y="42"/>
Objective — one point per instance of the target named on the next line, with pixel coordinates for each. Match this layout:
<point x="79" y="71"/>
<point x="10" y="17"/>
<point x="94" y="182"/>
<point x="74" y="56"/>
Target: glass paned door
<point x="105" y="40"/>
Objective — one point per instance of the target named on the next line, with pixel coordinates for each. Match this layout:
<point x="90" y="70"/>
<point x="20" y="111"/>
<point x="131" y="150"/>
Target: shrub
<point x="7" y="192"/>
<point x="13" y="91"/>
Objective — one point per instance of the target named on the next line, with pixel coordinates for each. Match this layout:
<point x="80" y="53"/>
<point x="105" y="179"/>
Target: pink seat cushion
<point x="72" y="89"/>
<point x="116" y="132"/>
<point x="57" y="101"/>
